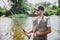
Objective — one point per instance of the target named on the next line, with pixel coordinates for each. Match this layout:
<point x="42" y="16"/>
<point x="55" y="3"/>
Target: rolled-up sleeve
<point x="49" y="23"/>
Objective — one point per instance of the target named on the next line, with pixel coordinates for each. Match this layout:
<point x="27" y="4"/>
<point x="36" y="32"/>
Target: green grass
<point x="19" y="16"/>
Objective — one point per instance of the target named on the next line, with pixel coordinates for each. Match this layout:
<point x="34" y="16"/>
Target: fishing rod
<point x="15" y="19"/>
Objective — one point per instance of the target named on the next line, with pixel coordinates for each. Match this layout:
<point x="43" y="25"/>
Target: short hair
<point x="40" y="8"/>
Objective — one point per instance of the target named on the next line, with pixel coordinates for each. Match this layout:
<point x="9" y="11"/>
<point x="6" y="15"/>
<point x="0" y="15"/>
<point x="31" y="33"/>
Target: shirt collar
<point x="40" y="16"/>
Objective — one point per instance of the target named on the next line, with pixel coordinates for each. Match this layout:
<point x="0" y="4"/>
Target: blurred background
<point x="24" y="11"/>
<point x="52" y="7"/>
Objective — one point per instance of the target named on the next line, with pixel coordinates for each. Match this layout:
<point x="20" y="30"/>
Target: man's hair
<point x="40" y="8"/>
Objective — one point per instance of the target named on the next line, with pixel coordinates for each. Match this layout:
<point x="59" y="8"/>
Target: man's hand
<point x="26" y="33"/>
<point x="37" y="34"/>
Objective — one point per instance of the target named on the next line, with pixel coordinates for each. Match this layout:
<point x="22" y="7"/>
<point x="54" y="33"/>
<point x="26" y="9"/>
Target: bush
<point x="58" y="12"/>
<point x="21" y="15"/>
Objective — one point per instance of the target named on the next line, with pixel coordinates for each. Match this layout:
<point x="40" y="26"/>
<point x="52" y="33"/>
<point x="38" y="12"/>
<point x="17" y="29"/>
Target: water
<point x="6" y="24"/>
<point x="55" y="26"/>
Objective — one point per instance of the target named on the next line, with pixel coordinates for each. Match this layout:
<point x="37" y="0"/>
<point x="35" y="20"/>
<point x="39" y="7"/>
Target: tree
<point x="59" y="2"/>
<point x="58" y="12"/>
<point x="44" y="4"/>
<point x="2" y="11"/>
<point x="20" y="6"/>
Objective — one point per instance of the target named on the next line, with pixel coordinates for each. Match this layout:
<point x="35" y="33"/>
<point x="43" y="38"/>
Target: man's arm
<point x="47" y="32"/>
<point x="43" y="33"/>
<point x="48" y="26"/>
<point x="30" y="31"/>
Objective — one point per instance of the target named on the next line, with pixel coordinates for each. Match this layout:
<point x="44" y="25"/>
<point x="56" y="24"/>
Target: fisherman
<point x="41" y="26"/>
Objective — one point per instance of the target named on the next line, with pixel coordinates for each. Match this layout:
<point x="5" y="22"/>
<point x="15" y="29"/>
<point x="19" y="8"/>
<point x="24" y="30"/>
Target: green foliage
<point x="59" y="3"/>
<point x="51" y="11"/>
<point x="58" y="12"/>
<point x="20" y="6"/>
<point x="19" y="16"/>
<point x="2" y="11"/>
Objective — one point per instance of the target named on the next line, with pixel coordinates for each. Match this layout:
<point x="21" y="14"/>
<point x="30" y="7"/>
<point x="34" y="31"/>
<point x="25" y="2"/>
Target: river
<point x="6" y="24"/>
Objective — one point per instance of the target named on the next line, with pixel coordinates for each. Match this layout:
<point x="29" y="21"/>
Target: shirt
<point x="48" y="22"/>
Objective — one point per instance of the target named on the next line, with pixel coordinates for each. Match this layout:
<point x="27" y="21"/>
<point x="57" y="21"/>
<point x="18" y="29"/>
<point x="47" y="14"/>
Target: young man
<point x="41" y="26"/>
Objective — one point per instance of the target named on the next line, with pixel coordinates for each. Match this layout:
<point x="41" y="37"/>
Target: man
<point x="41" y="26"/>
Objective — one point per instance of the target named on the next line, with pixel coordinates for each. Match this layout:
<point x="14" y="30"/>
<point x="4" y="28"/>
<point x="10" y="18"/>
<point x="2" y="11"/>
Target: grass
<point x="19" y="16"/>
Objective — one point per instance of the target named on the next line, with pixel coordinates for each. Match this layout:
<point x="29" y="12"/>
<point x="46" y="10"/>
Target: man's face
<point x="40" y="12"/>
